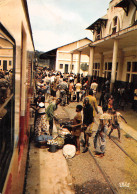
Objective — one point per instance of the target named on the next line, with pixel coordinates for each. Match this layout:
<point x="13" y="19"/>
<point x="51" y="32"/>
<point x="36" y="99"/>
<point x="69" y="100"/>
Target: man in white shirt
<point x="78" y="89"/>
<point x="94" y="87"/>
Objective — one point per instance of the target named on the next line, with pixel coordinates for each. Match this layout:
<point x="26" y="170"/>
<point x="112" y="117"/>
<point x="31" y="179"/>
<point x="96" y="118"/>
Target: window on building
<point x="134" y="67"/>
<point x="115" y="26"/>
<point x="72" y="67"/>
<point x="9" y="63"/>
<point x="61" y="66"/>
<point x="128" y="66"/>
<point x="98" y="34"/>
<point x="105" y="66"/>
<point x="131" y="72"/>
<point x="4" y="65"/>
<point x="0" y="62"/>
<point x="114" y="30"/>
<point x="127" y="77"/>
<point x="109" y="66"/>
<point x="115" y="21"/>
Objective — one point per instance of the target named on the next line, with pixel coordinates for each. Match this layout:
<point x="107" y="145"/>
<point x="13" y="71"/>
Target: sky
<point x="56" y="23"/>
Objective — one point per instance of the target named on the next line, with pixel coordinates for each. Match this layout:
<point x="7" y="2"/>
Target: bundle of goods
<point x="69" y="151"/>
<point x="63" y="131"/>
<point x="58" y="141"/>
<point x="42" y="139"/>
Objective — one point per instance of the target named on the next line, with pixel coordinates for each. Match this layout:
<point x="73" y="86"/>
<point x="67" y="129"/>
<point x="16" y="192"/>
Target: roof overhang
<point x="84" y="49"/>
<point x="125" y="5"/>
<point x="97" y="24"/>
<point x="126" y="38"/>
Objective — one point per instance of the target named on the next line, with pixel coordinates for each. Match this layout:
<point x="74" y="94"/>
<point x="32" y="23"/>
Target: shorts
<point x="89" y="129"/>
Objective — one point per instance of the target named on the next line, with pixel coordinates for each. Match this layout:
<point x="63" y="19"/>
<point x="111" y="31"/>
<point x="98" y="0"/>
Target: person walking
<point x="100" y="137"/>
<point x="115" y="123"/>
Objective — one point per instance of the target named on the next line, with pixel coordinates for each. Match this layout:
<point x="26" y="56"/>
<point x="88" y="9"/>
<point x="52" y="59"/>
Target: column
<point x="114" y="64"/>
<point x="79" y="61"/>
<point x="91" y="61"/>
<point x="71" y="62"/>
<point x="101" y="65"/>
<point x="120" y="66"/>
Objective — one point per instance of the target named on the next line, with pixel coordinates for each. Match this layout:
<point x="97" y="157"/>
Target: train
<point x="17" y="62"/>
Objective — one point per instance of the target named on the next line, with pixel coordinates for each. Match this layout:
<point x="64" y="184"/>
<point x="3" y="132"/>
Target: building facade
<point x="113" y="52"/>
<point x="66" y="62"/>
<point x="62" y="60"/>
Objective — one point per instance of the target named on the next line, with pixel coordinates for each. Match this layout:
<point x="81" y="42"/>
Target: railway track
<point x="123" y="151"/>
<point x="110" y="184"/>
<point x="107" y="177"/>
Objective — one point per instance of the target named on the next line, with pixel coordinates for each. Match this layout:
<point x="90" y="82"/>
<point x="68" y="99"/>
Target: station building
<point x="62" y="60"/>
<point x="113" y="52"/>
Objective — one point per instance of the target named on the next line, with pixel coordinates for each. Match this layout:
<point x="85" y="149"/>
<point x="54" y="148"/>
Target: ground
<point x="51" y="173"/>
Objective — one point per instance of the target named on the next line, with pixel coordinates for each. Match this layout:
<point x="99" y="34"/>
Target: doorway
<point x="66" y="68"/>
<point x="5" y="65"/>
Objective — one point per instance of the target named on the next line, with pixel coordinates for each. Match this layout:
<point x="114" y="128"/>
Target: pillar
<point x="71" y="62"/>
<point x="79" y="61"/>
<point x="101" y="65"/>
<point x="91" y="61"/>
<point x="78" y="69"/>
<point x="120" y="66"/>
<point x="114" y="64"/>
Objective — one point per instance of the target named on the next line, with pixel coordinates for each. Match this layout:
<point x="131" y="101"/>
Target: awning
<point x="97" y="24"/>
<point x="125" y="4"/>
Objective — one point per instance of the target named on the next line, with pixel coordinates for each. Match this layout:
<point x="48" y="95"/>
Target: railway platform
<point x="50" y="173"/>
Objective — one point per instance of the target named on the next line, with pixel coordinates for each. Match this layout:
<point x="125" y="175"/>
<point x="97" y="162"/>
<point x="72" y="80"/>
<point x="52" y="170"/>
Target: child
<point x="115" y="124"/>
<point x="100" y="137"/>
<point x="76" y="127"/>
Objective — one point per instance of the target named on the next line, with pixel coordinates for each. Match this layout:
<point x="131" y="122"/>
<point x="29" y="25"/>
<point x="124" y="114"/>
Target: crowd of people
<point x="6" y="84"/>
<point x="57" y="88"/>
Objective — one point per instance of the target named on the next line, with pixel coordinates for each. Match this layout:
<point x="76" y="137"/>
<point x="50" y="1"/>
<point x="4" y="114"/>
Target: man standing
<point x="87" y="122"/>
<point x="76" y="127"/>
<point x="93" y="102"/>
<point x="63" y="86"/>
<point x="94" y="87"/>
<point x="78" y="89"/>
<point x="50" y="113"/>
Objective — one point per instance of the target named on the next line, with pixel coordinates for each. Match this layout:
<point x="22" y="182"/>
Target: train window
<point x="7" y="44"/>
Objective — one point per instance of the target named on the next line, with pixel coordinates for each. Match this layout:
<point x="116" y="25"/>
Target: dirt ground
<point x="120" y="170"/>
<point x="51" y="173"/>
